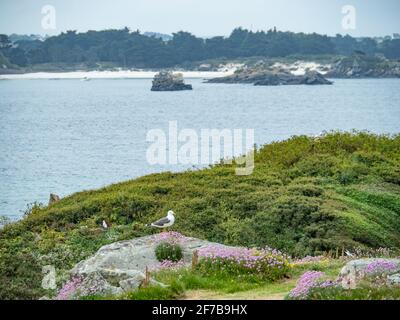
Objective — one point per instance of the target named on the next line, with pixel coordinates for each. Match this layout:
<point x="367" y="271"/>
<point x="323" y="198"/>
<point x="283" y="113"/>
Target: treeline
<point x="133" y="49"/>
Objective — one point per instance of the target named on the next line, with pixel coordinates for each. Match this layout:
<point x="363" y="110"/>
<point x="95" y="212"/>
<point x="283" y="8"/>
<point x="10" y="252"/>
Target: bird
<point x="348" y="253"/>
<point x="105" y="225"/>
<point x="166" y="222"/>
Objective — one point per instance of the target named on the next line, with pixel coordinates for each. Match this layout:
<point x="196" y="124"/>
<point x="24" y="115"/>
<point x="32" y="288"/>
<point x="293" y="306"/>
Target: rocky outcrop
<point x="362" y="66"/>
<point x="167" y="81"/>
<point x="355" y="271"/>
<point x="120" y="267"/>
<point x="310" y="78"/>
<point x="394" y="279"/>
<point x="272" y="78"/>
<point x="53" y="198"/>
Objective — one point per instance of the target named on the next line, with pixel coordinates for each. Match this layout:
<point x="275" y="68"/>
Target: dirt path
<point x="274" y="291"/>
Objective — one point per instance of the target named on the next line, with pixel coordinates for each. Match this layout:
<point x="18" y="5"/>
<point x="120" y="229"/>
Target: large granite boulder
<point x="120" y="266"/>
<point x="356" y="270"/>
<point x="167" y="81"/>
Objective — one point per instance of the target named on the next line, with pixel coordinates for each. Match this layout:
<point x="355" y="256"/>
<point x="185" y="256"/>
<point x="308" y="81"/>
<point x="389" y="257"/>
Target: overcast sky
<point x="202" y="17"/>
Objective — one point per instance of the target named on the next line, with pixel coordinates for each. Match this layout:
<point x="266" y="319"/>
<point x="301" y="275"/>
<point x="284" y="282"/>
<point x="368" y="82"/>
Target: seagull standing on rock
<point x="166" y="222"/>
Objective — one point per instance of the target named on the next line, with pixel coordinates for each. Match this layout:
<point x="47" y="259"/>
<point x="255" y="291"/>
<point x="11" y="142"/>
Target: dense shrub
<point x="20" y="276"/>
<point x="168" y="251"/>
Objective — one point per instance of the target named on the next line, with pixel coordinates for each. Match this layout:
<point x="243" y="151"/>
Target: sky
<point x="204" y="18"/>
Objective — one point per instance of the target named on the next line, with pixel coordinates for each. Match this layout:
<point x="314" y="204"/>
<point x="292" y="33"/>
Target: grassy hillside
<point x="305" y="196"/>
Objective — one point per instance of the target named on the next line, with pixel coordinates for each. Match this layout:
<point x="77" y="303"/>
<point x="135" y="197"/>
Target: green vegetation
<point x="222" y="282"/>
<point x="154" y="293"/>
<point x="127" y="49"/>
<point x="365" y="291"/>
<point x="242" y="262"/>
<point x="306" y="196"/>
<point x="168" y="251"/>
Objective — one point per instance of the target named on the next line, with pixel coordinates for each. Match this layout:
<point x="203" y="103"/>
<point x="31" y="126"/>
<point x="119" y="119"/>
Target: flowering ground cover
<point x="314" y="285"/>
<point x="268" y="264"/>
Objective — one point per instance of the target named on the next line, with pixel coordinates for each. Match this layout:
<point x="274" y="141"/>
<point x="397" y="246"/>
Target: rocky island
<point x="167" y="81"/>
<point x="272" y="78"/>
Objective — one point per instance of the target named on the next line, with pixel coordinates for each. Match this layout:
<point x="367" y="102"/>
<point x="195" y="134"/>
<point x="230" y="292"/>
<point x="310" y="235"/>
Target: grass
<point x="221" y="283"/>
<point x="271" y="291"/>
<point x="306" y="196"/>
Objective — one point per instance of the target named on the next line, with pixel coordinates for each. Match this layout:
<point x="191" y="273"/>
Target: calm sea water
<point x="67" y="135"/>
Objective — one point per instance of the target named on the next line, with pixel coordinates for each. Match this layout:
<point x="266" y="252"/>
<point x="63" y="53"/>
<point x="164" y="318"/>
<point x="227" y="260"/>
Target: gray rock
<point x="133" y="282"/>
<point x="315" y="78"/>
<point x="354" y="271"/>
<point x="394" y="279"/>
<point x="167" y="81"/>
<point x="136" y="254"/>
<point x="120" y="266"/>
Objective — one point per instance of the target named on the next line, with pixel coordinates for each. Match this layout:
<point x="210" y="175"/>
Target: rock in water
<point x="315" y="78"/>
<point x="167" y="81"/>
<point x="273" y="78"/>
<point x="53" y="198"/>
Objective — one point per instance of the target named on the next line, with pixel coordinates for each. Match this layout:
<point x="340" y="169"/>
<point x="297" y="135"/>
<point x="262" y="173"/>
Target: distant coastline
<point x="121" y="74"/>
<point x="356" y="66"/>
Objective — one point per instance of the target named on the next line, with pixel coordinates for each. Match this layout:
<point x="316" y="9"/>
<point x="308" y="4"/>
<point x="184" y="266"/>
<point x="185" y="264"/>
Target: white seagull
<point x="164" y="222"/>
<point x="349" y="254"/>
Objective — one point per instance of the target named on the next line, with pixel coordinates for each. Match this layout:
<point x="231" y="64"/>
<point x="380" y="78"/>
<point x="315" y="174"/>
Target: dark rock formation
<point x="272" y="78"/>
<point x="362" y="66"/>
<point x="53" y="198"/>
<point x="167" y="81"/>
